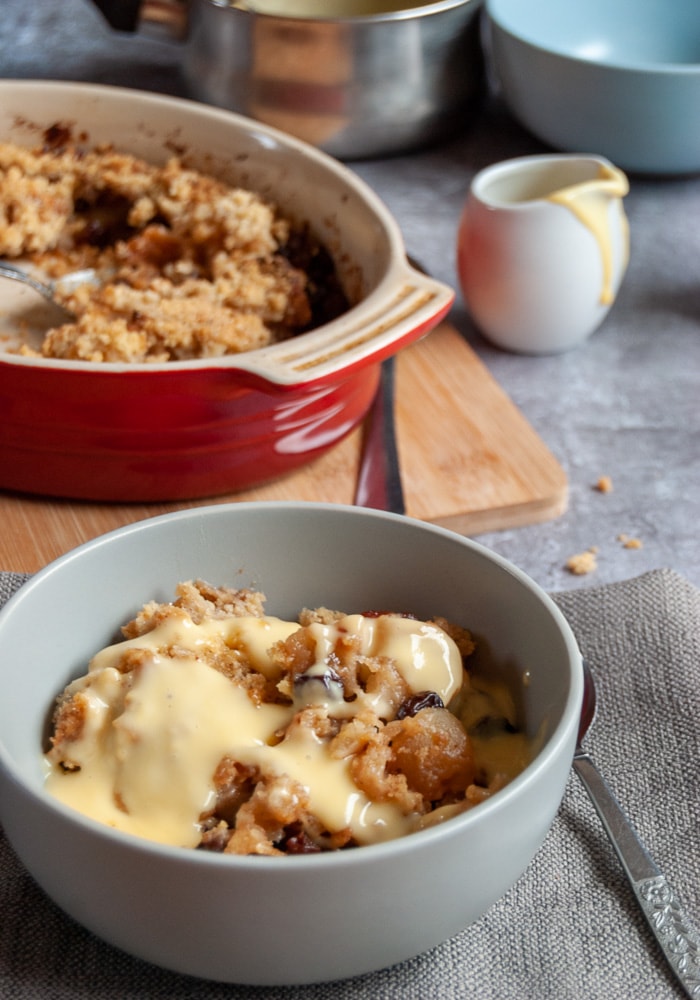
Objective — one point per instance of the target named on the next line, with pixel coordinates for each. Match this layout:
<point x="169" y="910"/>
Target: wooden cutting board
<point x="469" y="459"/>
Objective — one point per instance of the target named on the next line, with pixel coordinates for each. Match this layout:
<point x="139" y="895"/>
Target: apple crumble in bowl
<point x="346" y="819"/>
<point x="214" y="725"/>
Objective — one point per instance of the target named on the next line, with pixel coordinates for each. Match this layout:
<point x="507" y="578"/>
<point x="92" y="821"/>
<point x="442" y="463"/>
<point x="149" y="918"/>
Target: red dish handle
<point x="368" y="334"/>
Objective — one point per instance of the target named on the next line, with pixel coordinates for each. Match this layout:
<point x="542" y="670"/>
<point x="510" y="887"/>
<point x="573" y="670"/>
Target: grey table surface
<point x="625" y="404"/>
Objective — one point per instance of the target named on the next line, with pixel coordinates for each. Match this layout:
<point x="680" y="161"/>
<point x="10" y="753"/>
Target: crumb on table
<point x="629" y="542"/>
<point x="583" y="562"/>
<point x="604" y="484"/>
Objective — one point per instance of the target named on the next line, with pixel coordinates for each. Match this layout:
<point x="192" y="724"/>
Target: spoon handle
<point x="18" y="274"/>
<point x="379" y="480"/>
<point x="678" y="939"/>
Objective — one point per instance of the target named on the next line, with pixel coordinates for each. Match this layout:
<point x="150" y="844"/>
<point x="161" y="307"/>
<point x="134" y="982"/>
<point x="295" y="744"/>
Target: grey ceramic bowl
<point x="618" y="78"/>
<point x="367" y="908"/>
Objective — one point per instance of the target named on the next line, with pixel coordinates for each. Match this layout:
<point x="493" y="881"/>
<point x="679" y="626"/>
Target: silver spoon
<point x="66" y="283"/>
<point x="679" y="941"/>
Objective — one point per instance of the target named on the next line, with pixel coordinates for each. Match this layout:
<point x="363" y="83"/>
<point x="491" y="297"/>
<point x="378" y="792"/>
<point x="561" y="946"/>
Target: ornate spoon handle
<point x="658" y="900"/>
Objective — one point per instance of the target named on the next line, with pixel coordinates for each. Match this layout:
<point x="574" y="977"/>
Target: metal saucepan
<point x="369" y="78"/>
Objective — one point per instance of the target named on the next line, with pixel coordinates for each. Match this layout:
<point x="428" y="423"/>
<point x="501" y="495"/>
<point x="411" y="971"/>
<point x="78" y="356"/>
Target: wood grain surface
<point x="470" y="461"/>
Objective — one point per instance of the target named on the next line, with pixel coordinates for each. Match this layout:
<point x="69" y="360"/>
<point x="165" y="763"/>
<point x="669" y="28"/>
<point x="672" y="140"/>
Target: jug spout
<point x="591" y="202"/>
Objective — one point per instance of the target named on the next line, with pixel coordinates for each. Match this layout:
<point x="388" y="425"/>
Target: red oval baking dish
<point x="190" y="429"/>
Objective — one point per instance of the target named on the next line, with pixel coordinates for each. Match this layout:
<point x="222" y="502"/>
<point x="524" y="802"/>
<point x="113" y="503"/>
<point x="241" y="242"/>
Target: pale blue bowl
<point x="620" y="78"/>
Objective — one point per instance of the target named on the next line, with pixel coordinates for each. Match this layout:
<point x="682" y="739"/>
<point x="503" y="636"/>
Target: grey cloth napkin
<point x="568" y="929"/>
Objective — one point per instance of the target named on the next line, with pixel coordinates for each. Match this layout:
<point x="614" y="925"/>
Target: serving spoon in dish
<point x="48" y="289"/>
<point x="679" y="941"/>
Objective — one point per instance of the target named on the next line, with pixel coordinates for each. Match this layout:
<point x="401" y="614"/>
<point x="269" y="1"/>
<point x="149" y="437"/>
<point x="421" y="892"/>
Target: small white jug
<point x="542" y="248"/>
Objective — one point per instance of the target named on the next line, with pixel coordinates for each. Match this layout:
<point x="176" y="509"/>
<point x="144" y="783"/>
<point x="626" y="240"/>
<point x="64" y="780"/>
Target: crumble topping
<point x="186" y="265"/>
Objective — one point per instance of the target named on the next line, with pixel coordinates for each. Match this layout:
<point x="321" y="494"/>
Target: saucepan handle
<point x="130" y="15"/>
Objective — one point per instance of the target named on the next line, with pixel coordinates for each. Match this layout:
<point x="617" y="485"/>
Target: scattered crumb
<point x="586" y="562"/>
<point x="604" y="484"/>
<point x="630" y="543"/>
<point x="583" y="562"/>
